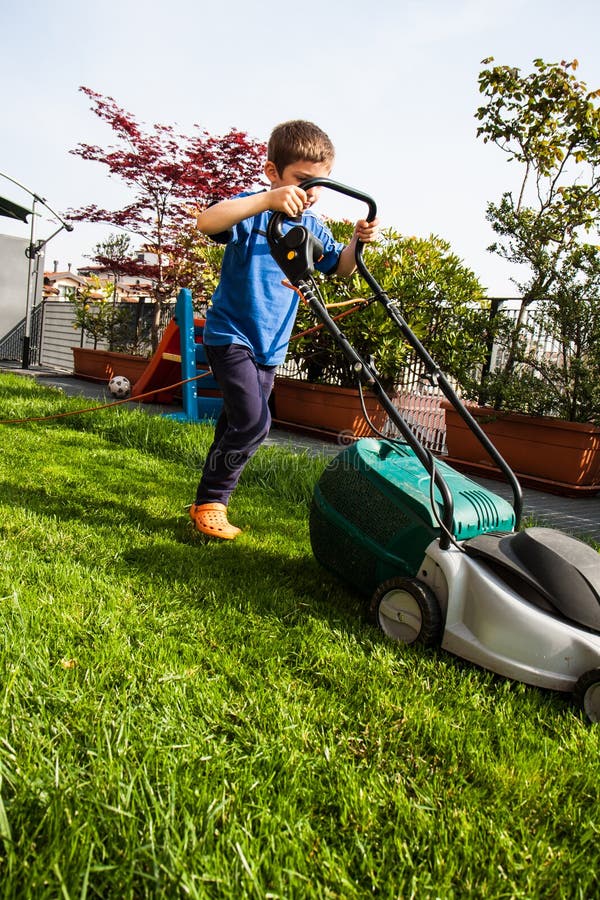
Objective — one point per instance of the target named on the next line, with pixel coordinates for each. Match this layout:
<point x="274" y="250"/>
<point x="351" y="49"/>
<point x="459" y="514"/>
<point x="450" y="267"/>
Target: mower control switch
<point x="296" y="253"/>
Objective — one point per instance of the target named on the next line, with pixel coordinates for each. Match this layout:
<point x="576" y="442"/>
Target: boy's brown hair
<point x="299" y="140"/>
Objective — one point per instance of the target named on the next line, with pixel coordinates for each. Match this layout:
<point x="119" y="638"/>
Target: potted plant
<point x="548" y="373"/>
<point x="440" y="298"/>
<point x="104" y="322"/>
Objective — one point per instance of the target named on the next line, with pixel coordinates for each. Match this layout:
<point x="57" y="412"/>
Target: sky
<point x="393" y="83"/>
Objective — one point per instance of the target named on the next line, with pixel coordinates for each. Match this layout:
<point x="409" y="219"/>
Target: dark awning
<point x="13" y="210"/>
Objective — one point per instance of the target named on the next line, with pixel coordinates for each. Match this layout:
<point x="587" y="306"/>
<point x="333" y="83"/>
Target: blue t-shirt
<point x="251" y="306"/>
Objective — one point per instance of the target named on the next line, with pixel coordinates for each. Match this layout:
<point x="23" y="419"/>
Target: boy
<point x="249" y="323"/>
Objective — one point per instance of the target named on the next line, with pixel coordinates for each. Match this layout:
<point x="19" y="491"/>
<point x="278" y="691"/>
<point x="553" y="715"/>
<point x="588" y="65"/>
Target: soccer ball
<point x="119" y="386"/>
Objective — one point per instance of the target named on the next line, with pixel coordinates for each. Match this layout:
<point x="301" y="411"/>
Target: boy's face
<point x="296" y="173"/>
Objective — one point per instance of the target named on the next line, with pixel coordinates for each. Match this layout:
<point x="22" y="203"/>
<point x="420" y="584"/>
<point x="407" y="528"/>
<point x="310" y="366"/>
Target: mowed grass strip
<point x="197" y="719"/>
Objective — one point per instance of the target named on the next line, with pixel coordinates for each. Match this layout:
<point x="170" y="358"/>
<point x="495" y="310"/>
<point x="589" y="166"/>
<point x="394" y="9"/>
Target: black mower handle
<point x="275" y="226"/>
<point x="278" y="218"/>
<point x="342" y="189"/>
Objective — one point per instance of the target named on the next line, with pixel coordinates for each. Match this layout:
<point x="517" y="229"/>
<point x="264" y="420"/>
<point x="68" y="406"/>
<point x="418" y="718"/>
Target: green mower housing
<point x="371" y="516"/>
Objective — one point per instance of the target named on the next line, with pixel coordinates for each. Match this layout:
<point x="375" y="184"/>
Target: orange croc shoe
<point x="211" y="519"/>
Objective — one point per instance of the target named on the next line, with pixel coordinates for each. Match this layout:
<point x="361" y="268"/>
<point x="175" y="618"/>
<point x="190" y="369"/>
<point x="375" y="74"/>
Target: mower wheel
<point x="587" y="694"/>
<point x="407" y="611"/>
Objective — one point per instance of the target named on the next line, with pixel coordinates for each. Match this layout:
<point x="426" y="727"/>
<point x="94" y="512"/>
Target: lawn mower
<point x="442" y="559"/>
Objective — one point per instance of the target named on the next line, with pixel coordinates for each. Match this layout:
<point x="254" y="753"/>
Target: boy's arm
<point x="363" y="231"/>
<point x="224" y="215"/>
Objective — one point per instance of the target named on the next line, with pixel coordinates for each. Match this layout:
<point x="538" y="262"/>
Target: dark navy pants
<point x="244" y="421"/>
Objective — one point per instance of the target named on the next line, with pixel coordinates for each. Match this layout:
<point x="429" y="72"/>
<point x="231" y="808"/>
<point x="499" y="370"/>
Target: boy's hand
<point x="289" y="199"/>
<point x="363" y="231"/>
<point x="366" y="231"/>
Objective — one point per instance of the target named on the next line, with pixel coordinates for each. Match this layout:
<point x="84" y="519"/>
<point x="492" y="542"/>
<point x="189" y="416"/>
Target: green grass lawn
<point x="181" y="718"/>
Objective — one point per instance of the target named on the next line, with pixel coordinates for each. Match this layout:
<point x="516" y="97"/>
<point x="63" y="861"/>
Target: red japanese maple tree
<point x="167" y="172"/>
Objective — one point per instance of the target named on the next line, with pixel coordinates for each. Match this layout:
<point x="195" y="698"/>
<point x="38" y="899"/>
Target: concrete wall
<point x="13" y="280"/>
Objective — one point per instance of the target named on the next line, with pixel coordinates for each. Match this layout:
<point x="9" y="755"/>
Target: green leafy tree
<point x="95" y="314"/>
<point x="566" y="372"/>
<point x="548" y="124"/>
<point x="115" y="256"/>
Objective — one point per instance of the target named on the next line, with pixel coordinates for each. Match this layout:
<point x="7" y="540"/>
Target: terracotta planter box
<point x="325" y="407"/>
<point x="102" y="365"/>
<point x="555" y="453"/>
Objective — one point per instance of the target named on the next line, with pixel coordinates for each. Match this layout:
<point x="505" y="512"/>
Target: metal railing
<point x="11" y="345"/>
